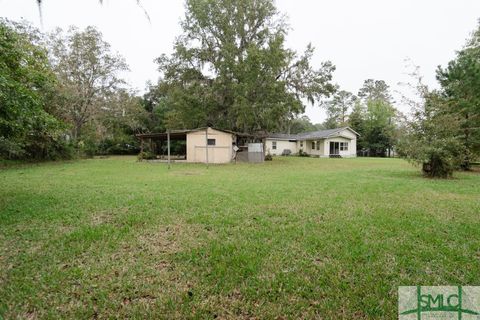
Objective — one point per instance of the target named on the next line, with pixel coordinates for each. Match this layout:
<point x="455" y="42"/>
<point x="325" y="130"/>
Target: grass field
<point x="292" y="238"/>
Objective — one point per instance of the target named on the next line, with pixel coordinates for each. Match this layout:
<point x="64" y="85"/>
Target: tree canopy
<point x="430" y="138"/>
<point x="26" y="84"/>
<point x="460" y="81"/>
<point x="230" y="68"/>
<point x="62" y="94"/>
<point x="88" y="72"/>
<point x="371" y="114"/>
<point x="338" y="107"/>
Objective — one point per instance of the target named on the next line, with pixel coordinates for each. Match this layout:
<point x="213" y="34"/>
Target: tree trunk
<point x="466" y="165"/>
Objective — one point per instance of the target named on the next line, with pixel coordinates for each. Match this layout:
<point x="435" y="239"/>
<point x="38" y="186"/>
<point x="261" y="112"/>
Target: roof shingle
<point x="320" y="134"/>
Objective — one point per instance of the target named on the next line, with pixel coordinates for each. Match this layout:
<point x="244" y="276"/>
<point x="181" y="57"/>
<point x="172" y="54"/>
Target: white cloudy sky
<point x="364" y="39"/>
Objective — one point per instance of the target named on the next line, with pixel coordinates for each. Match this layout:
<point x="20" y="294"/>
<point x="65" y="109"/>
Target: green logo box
<point x="439" y="302"/>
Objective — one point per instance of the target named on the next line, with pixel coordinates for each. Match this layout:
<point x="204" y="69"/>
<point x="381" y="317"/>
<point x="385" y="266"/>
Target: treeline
<point x="62" y="95"/>
<point x="371" y="113"/>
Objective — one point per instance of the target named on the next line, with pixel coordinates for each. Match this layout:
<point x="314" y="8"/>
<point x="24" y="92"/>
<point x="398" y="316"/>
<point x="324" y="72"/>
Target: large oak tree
<point x="230" y="68"/>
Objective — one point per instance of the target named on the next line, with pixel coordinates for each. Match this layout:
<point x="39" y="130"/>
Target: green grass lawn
<point x="293" y="238"/>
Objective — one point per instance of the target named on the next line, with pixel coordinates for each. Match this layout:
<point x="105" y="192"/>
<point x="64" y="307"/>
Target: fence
<point x="252" y="153"/>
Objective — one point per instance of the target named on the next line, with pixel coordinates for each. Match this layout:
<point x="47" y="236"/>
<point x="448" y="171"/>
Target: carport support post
<point x="206" y="146"/>
<point x="168" y="148"/>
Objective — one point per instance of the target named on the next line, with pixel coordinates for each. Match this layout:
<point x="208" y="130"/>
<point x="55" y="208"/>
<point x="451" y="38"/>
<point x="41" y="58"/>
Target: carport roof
<point x="182" y="134"/>
<point x="174" y="135"/>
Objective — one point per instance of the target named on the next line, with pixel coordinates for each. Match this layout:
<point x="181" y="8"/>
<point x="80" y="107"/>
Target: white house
<point x="340" y="142"/>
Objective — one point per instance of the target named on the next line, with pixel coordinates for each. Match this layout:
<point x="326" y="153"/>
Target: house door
<point x="334" y="147"/>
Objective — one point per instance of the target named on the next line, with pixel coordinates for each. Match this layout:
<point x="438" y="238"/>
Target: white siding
<point x="318" y="151"/>
<point x="352" y="146"/>
<point x="347" y="134"/>
<point x="323" y="149"/>
<point x="281" y="145"/>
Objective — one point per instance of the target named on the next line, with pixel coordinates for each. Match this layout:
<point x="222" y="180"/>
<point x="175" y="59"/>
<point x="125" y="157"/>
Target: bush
<point x="268" y="157"/>
<point x="430" y="137"/>
<point x="123" y="145"/>
<point x="49" y="144"/>
<point x="437" y="157"/>
<point x="146" y="155"/>
<point x="86" y="148"/>
<point x="439" y="164"/>
<point x="301" y="153"/>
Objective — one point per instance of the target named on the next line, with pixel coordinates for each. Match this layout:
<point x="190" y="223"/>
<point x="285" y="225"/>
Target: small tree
<point x="430" y="140"/>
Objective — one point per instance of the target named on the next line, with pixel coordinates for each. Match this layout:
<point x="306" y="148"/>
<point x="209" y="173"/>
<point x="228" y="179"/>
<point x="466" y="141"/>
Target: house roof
<point x="282" y="136"/>
<point x="320" y="134"/>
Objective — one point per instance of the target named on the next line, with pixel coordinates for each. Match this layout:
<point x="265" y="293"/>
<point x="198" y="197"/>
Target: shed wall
<point x="221" y="152"/>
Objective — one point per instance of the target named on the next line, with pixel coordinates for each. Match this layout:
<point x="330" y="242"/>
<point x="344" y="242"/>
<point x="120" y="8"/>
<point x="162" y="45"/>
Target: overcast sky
<point x="364" y="39"/>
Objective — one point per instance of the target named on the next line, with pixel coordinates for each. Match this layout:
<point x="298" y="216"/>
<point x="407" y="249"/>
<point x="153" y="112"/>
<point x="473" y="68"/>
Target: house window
<point x="313" y="145"/>
<point x="301" y="144"/>
<point x="211" y="142"/>
<point x="343" y="146"/>
<point x="318" y="145"/>
<point x="274" y="145"/>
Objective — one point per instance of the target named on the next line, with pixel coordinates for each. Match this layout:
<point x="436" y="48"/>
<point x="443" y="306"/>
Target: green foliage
<point x="146" y="155"/>
<point x="460" y="82"/>
<point x="431" y="139"/>
<point x="27" y="130"/>
<point x="356" y="121"/>
<point x="121" y="145"/>
<point x="87" y="71"/>
<point x="230" y="69"/>
<point x="39" y="104"/>
<point x="90" y="96"/>
<point x="376" y="90"/>
<point x="338" y="108"/>
<point x="156" y="107"/>
<point x="298" y="125"/>
<point x="302" y="153"/>
<point x="379" y="127"/>
<point x="375" y="118"/>
<point x="268" y="157"/>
